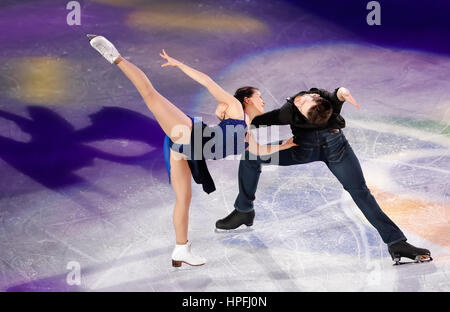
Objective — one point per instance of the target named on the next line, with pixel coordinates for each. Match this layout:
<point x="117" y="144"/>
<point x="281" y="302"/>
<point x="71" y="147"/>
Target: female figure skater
<point x="236" y="110"/>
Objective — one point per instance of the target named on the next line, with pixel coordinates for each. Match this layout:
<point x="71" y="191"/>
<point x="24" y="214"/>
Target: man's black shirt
<point x="289" y="114"/>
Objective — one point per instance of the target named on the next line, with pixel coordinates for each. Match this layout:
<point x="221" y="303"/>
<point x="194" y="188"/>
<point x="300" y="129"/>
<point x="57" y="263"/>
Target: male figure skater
<point x="316" y="123"/>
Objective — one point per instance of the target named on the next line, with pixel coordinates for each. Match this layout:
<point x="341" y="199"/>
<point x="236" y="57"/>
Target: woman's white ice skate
<point x="104" y="47"/>
<point x="183" y="253"/>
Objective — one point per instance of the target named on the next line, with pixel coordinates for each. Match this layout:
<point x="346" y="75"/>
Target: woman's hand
<point x="220" y="110"/>
<point x="170" y="60"/>
<point x="344" y="95"/>
<point x="288" y="143"/>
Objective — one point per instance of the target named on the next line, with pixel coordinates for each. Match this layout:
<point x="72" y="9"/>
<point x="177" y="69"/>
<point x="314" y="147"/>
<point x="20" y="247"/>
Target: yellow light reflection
<point x="40" y="80"/>
<point x="187" y="17"/>
<point x="122" y="3"/>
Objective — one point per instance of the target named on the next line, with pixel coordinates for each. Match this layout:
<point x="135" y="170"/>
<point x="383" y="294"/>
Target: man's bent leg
<point x="249" y="172"/>
<point x="248" y="177"/>
<point x="348" y="171"/>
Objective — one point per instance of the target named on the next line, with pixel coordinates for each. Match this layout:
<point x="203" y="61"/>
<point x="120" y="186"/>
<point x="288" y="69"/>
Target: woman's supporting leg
<point x="172" y="120"/>
<point x="180" y="176"/>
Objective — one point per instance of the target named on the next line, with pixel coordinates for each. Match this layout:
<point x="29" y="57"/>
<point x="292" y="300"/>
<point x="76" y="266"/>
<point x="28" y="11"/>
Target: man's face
<point x="305" y="102"/>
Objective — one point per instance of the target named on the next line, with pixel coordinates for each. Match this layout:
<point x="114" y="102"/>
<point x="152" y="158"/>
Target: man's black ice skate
<point x="235" y="219"/>
<point x="403" y="249"/>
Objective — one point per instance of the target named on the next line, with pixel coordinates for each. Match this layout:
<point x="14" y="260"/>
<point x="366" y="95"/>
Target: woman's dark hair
<point x="244" y="92"/>
<point x="321" y="112"/>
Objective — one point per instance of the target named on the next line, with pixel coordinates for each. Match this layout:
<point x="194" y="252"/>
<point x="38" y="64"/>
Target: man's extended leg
<point x="345" y="166"/>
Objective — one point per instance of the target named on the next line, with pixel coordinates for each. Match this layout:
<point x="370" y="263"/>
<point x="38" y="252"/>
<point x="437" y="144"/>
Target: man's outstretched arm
<point x="336" y="98"/>
<point x="280" y="116"/>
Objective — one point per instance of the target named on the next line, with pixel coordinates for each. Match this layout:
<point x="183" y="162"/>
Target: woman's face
<point x="256" y="101"/>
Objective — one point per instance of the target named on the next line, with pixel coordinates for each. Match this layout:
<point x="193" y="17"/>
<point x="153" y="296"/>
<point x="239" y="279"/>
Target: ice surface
<point x="83" y="179"/>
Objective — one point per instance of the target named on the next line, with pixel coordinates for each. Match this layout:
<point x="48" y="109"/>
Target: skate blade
<point x="423" y="258"/>
<point x="177" y="265"/>
<point x="241" y="229"/>
<point x="418" y="259"/>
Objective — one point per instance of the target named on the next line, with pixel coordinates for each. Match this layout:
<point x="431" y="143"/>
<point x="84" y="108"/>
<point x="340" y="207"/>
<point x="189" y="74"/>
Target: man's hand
<point x="344" y="95"/>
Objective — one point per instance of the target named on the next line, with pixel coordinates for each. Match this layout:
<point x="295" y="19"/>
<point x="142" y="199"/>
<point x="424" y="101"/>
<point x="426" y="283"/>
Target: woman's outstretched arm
<point x="234" y="109"/>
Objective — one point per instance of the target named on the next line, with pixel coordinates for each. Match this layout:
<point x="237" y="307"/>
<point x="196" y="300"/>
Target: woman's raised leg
<point x="172" y="120"/>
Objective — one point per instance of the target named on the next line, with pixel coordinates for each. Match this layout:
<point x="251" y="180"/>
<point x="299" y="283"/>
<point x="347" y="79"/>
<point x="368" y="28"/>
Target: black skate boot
<point x="235" y="219"/>
<point x="403" y="249"/>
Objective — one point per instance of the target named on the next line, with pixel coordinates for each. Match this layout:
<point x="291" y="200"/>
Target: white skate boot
<point x="104" y="47"/>
<point x="182" y="253"/>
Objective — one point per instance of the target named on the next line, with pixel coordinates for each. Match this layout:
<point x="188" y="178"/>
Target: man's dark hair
<point x="321" y="112"/>
<point x="244" y="92"/>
